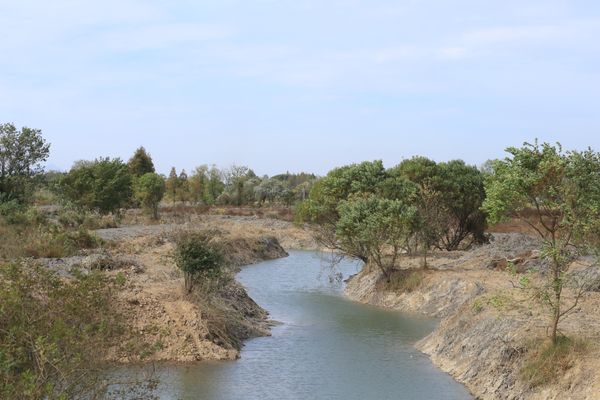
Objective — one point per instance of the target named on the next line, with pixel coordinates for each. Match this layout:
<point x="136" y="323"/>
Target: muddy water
<point x="326" y="346"/>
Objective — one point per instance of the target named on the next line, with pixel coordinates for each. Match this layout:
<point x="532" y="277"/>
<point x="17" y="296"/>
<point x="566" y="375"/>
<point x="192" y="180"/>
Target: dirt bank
<point x="488" y="327"/>
<point x="180" y="327"/>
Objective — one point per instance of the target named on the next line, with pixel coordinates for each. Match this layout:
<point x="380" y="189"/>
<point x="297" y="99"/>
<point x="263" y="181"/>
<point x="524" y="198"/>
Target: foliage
<point x="183" y="187"/>
<point x="449" y="201"/>
<point x="149" y="190"/>
<point x="561" y="190"/>
<point x="55" y="333"/>
<point x="21" y="154"/>
<point x="375" y="230"/>
<point x="140" y="163"/>
<point x="198" y="256"/>
<point x="103" y="185"/>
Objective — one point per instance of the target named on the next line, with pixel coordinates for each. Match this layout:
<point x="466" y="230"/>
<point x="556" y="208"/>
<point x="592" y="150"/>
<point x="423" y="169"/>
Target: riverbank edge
<point x="480" y="343"/>
<point x="203" y="326"/>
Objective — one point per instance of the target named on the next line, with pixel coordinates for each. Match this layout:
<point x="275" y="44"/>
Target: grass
<point x="405" y="280"/>
<point x="43" y="241"/>
<point x="546" y="362"/>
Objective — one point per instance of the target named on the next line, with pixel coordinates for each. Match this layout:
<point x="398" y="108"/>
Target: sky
<point x="300" y="85"/>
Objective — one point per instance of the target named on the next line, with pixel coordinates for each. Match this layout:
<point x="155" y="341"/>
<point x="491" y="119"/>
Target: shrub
<point x="56" y="334"/>
<point x="199" y="257"/>
<point x="28" y="234"/>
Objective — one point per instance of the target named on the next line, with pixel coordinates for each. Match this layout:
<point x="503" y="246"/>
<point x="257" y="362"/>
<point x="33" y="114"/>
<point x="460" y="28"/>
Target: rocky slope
<point x="488" y="327"/>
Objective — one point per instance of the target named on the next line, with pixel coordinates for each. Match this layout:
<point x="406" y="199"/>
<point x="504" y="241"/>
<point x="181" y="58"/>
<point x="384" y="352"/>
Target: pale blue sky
<point x="300" y="85"/>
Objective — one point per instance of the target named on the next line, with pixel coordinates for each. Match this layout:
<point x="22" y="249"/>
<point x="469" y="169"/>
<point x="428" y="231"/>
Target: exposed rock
<point x="439" y="295"/>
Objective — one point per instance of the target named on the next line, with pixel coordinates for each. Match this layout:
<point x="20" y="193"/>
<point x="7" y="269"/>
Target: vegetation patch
<point x="404" y="280"/>
<point x="546" y="361"/>
<point x="56" y="334"/>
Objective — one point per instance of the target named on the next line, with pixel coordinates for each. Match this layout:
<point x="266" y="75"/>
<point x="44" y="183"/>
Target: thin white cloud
<point x="160" y="36"/>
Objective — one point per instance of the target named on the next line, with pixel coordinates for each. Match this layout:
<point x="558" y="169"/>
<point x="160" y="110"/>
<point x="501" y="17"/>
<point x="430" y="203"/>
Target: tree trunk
<point x="557" y="287"/>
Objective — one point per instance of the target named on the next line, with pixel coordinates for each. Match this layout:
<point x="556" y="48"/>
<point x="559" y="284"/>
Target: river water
<point x="326" y="347"/>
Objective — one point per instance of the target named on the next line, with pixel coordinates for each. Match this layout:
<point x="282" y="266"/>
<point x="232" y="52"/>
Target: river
<point x="325" y="347"/>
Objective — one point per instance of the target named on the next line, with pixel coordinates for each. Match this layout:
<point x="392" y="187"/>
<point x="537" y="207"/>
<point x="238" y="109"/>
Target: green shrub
<point x="56" y="334"/>
<point x="198" y="256"/>
<point x="15" y="213"/>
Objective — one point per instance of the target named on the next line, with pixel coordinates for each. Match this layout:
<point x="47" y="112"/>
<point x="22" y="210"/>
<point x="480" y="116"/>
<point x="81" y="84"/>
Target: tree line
<point x="365" y="211"/>
<point x="107" y="185"/>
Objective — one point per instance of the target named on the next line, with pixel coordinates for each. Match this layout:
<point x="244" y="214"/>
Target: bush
<point x="56" y="333"/>
<point x="26" y="233"/>
<point x="199" y="257"/>
<point x="15" y="213"/>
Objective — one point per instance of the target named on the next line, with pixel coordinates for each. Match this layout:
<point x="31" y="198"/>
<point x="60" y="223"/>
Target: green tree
<point x="449" y="201"/>
<point x="141" y="163"/>
<point x="149" y="190"/>
<point x="172" y="184"/>
<point x="352" y="210"/>
<point x="235" y="179"/>
<point x="21" y="154"/>
<point x="376" y="230"/>
<point x="104" y="185"/>
<point x="214" y="185"/>
<point x="198" y="181"/>
<point x="183" y="187"/>
<point x="339" y="184"/>
<point x="561" y="191"/>
<point x="198" y="256"/>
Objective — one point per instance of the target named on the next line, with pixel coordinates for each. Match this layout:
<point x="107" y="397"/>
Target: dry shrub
<point x="546" y="362"/>
<point x="403" y="280"/>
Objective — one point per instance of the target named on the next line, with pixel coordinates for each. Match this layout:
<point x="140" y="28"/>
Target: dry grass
<point x="546" y="362"/>
<point x="404" y="280"/>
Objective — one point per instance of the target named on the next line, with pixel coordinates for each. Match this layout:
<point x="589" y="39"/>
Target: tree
<point x="149" y="190"/>
<point x="104" y="185"/>
<point x="321" y="208"/>
<point x="183" y="187"/>
<point x="449" y="201"/>
<point x="198" y="256"/>
<point x="376" y="230"/>
<point x="214" y="185"/>
<point x="557" y="194"/>
<point x="462" y="194"/>
<point x="197" y="183"/>
<point x="172" y="184"/>
<point x="21" y="154"/>
<point x="235" y="177"/>
<point x="140" y="163"/>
